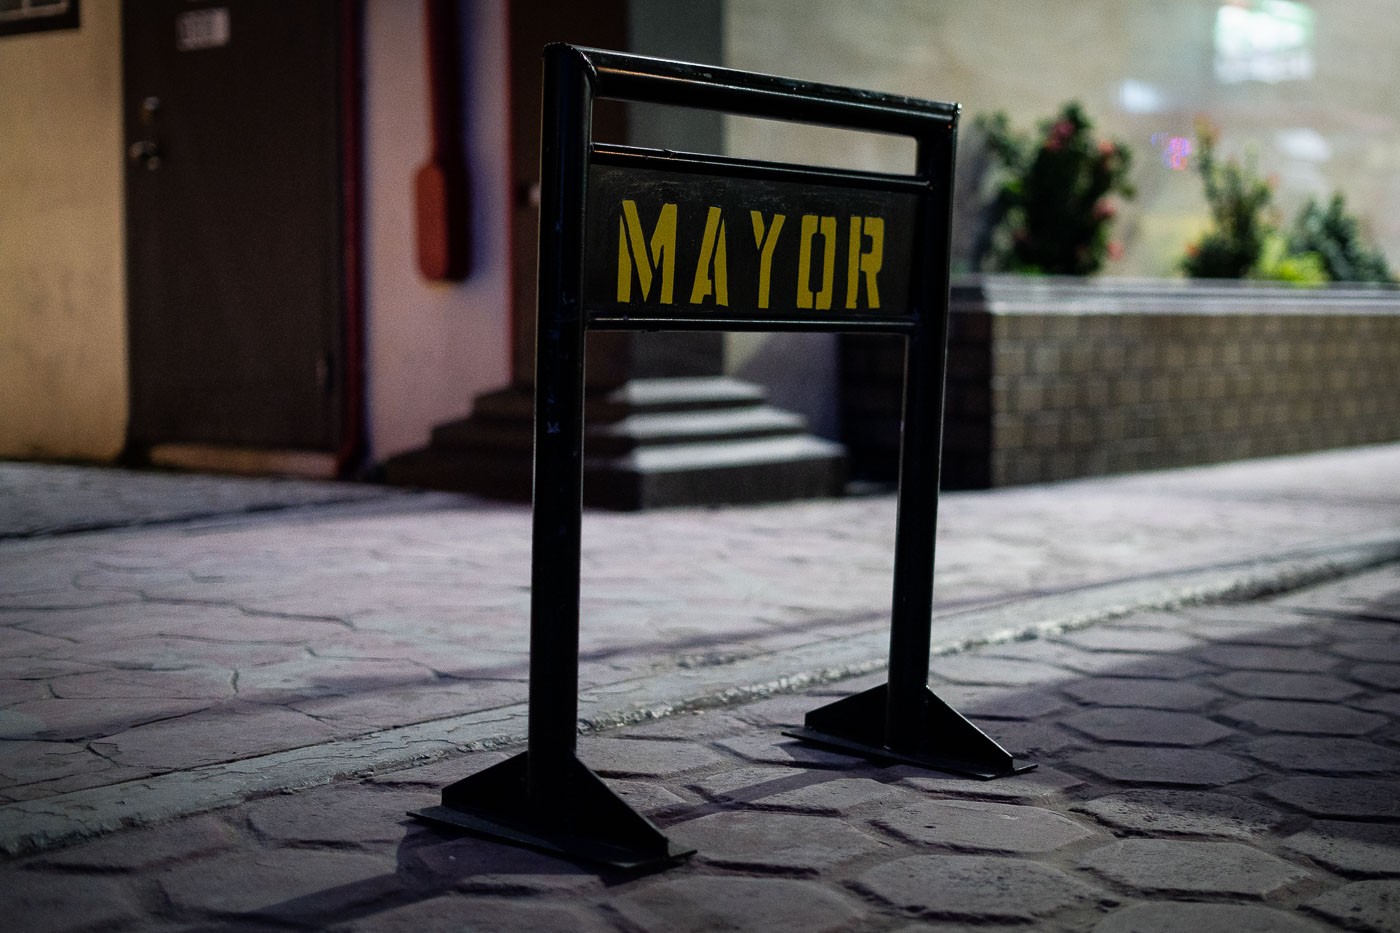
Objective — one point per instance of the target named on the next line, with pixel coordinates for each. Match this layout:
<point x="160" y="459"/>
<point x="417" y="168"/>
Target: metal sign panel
<point x="661" y="244"/>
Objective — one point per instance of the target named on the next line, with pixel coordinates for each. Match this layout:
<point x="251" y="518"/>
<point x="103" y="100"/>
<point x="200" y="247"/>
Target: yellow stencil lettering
<point x="712" y="253"/>
<point x="662" y="258"/>
<point x="810" y="224"/>
<point x="868" y="262"/>
<point x="765" y="246"/>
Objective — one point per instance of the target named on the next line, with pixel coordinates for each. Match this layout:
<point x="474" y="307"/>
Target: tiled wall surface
<point x="1052" y="380"/>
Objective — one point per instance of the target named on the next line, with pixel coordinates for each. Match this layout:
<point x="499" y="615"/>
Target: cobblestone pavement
<point x="156" y="649"/>
<point x="45" y="499"/>
<point x="1228" y="767"/>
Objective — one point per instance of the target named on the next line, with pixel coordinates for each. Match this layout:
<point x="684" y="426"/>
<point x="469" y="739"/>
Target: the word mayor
<point x="649" y="262"/>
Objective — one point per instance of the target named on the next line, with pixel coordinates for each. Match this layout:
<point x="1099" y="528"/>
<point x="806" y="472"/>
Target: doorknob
<point x="145" y="152"/>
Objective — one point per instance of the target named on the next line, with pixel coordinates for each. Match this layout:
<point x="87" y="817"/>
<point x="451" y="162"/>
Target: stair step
<point x="711" y="455"/>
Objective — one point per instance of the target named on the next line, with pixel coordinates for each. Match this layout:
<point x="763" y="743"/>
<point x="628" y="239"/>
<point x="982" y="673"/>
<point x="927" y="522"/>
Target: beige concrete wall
<point x="431" y="347"/>
<point x="63" y="383"/>
<point x="1140" y="67"/>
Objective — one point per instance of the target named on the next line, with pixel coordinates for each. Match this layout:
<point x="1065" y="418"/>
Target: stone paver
<point x="1142" y="693"/>
<point x="429" y="861"/>
<point x="335" y="815"/>
<point x="1306" y="718"/>
<point x="1369" y="649"/>
<point x="833" y="797"/>
<point x="451" y="913"/>
<point x="979" y="826"/>
<point x="1275" y="685"/>
<point x="1032" y="741"/>
<point x="1161" y="866"/>
<point x="278" y="602"/>
<point x="1380" y="676"/>
<point x="970" y="887"/>
<point x="976" y="669"/>
<point x="284" y="884"/>
<point x="1043" y="783"/>
<point x="702" y="904"/>
<point x="1156" y="727"/>
<point x="1184" y="767"/>
<point x="642" y="758"/>
<point x="1350" y="848"/>
<point x="41" y="902"/>
<point x="1267" y="658"/>
<point x="769" y="748"/>
<point x="1187" y="813"/>
<point x="251" y="729"/>
<point x="1347" y="798"/>
<point x="1119" y="638"/>
<point x="1315" y="753"/>
<point x="1364" y="905"/>
<point x="1186" y="917"/>
<point x="1166" y="798"/>
<point x="790" y="841"/>
<point x="147" y="848"/>
<point x="650" y="799"/>
<point x="982" y="702"/>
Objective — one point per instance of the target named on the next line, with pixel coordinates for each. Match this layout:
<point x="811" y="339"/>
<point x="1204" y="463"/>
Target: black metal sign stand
<point x="545" y="797"/>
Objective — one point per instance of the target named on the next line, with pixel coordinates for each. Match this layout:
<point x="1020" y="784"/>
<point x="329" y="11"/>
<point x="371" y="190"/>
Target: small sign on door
<point x="202" y="29"/>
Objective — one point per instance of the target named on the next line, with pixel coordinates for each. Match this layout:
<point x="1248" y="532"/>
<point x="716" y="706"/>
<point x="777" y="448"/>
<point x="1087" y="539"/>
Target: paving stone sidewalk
<point x="293" y="619"/>
<point x="45" y="499"/>
<point x="1228" y="767"/>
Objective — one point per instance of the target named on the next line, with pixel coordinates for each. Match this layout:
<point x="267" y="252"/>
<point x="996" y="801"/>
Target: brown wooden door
<point x="236" y="221"/>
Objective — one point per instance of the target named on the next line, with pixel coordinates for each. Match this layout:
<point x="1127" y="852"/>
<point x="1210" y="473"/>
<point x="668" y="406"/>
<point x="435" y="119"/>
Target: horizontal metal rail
<point x="705" y="164"/>
<point x="884" y="324"/>
<point x="618" y="76"/>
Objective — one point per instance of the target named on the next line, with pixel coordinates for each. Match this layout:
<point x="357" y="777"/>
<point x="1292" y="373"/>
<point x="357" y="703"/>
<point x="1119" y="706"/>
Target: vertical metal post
<point x="558" y="481"/>
<point x="920" y="459"/>
<point x="903" y="719"/>
<point x="545" y="797"/>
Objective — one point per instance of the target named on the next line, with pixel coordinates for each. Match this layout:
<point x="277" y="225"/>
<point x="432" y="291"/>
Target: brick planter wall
<point x="1051" y="379"/>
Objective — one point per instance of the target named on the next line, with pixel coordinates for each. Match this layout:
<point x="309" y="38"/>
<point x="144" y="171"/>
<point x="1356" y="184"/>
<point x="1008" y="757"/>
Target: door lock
<point x="146" y="153"/>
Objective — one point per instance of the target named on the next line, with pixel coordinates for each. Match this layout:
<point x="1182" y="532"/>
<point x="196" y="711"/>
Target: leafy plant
<point x="1051" y="212"/>
<point x="1278" y="262"/>
<point x="1239" y="202"/>
<point x="1334" y="235"/>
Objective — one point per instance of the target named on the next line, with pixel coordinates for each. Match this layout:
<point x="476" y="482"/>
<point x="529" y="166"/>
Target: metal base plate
<point x="932" y="762"/>
<point x="944" y="739"/>
<point x="583" y="820"/>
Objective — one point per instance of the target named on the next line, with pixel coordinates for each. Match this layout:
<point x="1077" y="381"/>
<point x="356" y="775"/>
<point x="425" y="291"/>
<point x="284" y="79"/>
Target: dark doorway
<point x="239" y="204"/>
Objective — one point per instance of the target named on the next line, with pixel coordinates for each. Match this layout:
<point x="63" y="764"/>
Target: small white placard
<point x="202" y="29"/>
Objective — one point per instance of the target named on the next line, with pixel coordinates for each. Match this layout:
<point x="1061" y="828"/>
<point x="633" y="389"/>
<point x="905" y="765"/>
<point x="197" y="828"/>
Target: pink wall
<point x="431" y="347"/>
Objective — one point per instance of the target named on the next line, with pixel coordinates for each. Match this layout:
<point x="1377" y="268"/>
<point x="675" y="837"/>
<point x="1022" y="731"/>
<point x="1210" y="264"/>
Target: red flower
<point x="1115" y="250"/>
<point x="1104" y="209"/>
<point x="1059" y="135"/>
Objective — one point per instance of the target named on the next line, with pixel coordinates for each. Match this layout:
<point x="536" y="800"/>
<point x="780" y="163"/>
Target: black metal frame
<point x="544" y="797"/>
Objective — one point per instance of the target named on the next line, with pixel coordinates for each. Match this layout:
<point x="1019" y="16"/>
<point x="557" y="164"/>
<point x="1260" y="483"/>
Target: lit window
<point x="18" y="16"/>
<point x="1263" y="40"/>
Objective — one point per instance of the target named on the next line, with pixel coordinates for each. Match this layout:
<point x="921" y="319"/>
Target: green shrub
<point x="1239" y="202"/>
<point x="1052" y="212"/>
<point x="1334" y="235"/>
<point x="1277" y="262"/>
